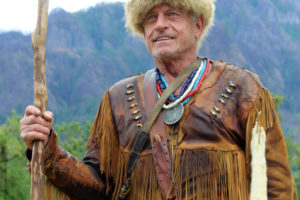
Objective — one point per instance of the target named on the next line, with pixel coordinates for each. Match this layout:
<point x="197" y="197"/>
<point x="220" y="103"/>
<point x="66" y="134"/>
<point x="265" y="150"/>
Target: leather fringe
<point x="211" y="174"/>
<point x="215" y="174"/>
<point x="265" y="106"/>
<point x="144" y="184"/>
<point x="108" y="140"/>
<point x="261" y="117"/>
<point x="114" y="161"/>
<point x="53" y="193"/>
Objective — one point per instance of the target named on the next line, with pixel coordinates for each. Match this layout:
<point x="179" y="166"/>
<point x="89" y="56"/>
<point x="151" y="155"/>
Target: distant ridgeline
<point x="89" y="50"/>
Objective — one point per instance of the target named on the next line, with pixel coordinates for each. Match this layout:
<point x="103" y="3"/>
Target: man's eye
<point x="151" y="18"/>
<point x="172" y="14"/>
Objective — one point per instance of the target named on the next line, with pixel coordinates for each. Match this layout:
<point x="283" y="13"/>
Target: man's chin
<point x="163" y="54"/>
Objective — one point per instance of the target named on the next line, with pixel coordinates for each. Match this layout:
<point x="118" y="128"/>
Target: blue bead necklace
<point x="163" y="84"/>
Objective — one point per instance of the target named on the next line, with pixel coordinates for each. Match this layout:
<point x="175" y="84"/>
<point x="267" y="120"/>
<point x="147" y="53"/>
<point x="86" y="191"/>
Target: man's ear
<point x="199" y="26"/>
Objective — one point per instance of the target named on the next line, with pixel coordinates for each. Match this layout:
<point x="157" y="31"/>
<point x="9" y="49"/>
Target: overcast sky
<point x="21" y="15"/>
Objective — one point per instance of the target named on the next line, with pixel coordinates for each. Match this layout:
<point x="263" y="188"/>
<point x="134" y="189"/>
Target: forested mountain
<point x="89" y="50"/>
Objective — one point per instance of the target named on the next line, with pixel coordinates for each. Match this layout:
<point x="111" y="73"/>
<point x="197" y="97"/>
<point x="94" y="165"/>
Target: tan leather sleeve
<point x="78" y="179"/>
<point x="256" y="104"/>
<point x="280" y="184"/>
<point x="280" y="180"/>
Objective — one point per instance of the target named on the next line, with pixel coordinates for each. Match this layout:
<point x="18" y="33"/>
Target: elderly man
<point x="217" y="136"/>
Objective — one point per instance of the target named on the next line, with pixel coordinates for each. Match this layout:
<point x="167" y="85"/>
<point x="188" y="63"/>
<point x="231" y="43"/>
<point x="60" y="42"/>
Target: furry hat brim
<point x="136" y="11"/>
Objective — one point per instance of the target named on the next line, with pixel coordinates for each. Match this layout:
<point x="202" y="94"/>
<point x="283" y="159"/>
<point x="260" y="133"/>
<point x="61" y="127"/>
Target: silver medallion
<point x="173" y="115"/>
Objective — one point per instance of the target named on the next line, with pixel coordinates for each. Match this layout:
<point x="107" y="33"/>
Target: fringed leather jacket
<point x="228" y="145"/>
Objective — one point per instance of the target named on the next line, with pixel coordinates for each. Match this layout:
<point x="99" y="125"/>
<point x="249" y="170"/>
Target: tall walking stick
<point x="40" y="97"/>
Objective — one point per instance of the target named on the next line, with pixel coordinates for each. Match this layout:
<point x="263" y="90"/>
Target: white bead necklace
<point x="175" y="103"/>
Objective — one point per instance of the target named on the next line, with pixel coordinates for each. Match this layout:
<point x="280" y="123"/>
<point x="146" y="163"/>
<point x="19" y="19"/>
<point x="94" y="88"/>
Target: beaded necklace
<point x="162" y="84"/>
<point x="191" y="85"/>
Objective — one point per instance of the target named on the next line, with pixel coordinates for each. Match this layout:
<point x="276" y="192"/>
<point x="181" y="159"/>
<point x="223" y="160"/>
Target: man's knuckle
<point x="37" y="127"/>
<point x="21" y="122"/>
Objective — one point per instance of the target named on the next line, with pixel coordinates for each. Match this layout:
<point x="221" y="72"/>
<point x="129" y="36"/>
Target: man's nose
<point x="161" y="22"/>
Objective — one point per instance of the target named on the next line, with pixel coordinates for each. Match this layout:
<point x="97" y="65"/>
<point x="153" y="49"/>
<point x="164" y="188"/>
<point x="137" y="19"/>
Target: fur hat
<point x="136" y="11"/>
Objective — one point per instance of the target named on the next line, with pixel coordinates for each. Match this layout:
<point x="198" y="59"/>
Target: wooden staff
<point x="40" y="97"/>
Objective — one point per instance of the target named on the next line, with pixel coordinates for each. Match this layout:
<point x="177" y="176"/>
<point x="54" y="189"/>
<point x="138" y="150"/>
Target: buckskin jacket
<point x="228" y="145"/>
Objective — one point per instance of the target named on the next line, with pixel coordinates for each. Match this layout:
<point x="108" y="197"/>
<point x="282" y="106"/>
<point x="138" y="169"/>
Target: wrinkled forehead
<point x="164" y="7"/>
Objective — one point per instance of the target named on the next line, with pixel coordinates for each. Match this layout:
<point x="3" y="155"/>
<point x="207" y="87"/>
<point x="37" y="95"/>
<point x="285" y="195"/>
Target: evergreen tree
<point x="14" y="175"/>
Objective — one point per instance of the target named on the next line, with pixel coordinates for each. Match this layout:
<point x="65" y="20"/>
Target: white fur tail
<point x="258" y="188"/>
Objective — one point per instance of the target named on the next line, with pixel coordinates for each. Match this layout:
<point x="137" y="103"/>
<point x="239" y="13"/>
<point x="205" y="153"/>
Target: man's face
<point x="170" y="32"/>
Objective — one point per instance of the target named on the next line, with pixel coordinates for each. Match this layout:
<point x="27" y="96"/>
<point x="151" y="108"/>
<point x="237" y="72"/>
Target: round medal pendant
<point x="173" y="115"/>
